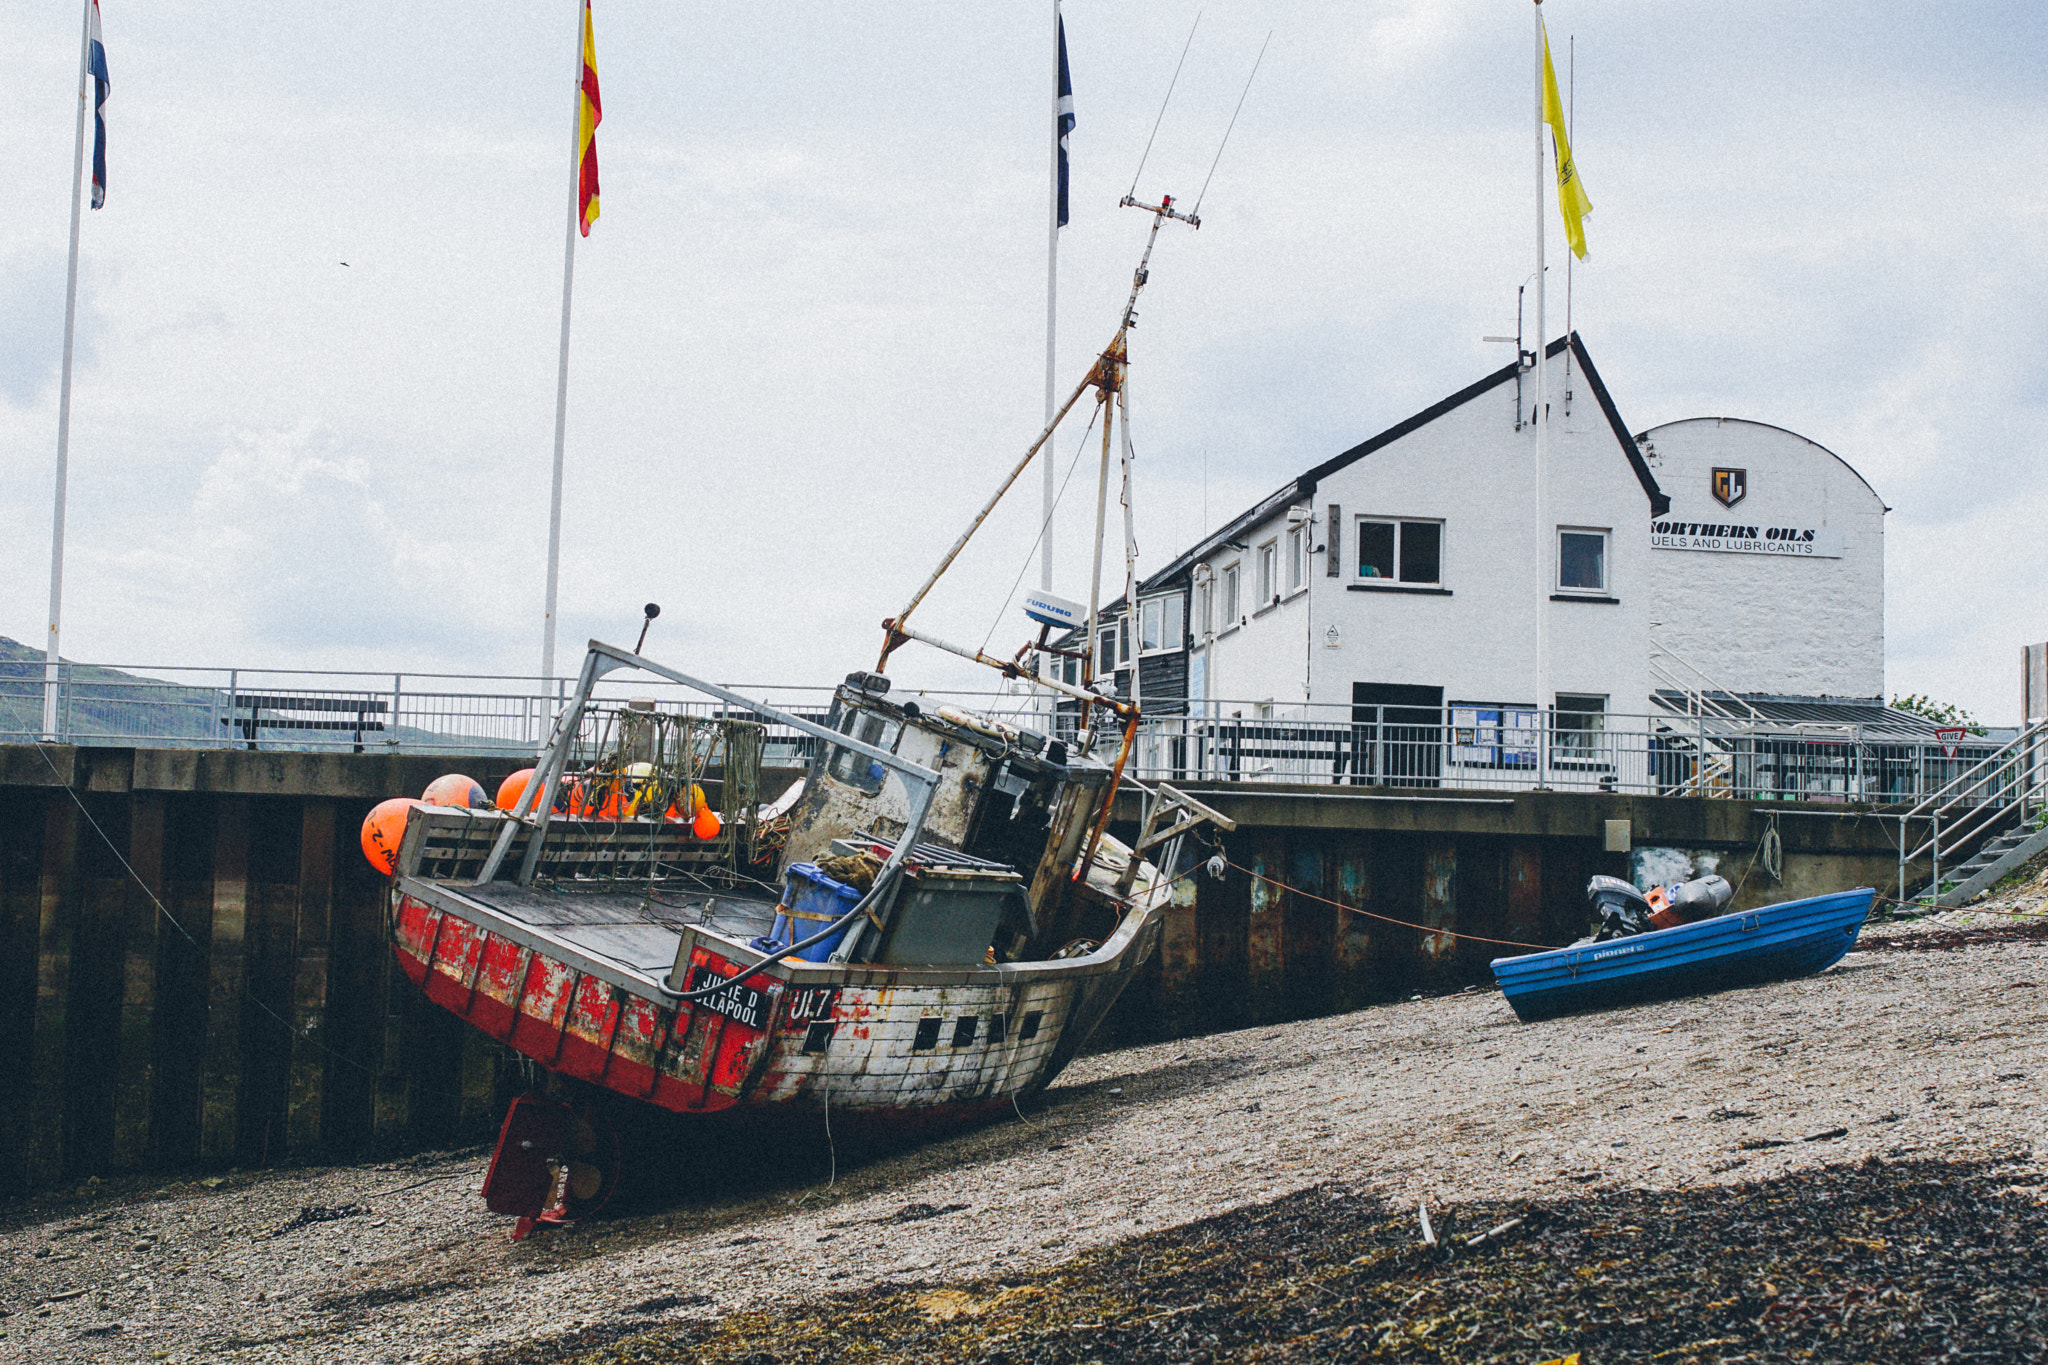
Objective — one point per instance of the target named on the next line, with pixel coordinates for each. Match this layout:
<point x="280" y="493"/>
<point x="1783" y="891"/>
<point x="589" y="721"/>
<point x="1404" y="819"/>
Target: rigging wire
<point x="1197" y="211"/>
<point x="1163" y="103"/>
<point x="1043" y="526"/>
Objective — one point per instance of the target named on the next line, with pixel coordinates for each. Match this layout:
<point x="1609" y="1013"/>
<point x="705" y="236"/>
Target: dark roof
<point x="1867" y="712"/>
<point x="1304" y="486"/>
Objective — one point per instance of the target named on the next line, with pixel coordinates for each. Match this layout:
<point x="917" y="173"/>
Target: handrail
<point x="2019" y="755"/>
<point x="2028" y="734"/>
<point x="1658" y="647"/>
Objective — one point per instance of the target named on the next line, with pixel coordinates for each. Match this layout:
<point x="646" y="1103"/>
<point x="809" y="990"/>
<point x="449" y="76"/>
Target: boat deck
<point x="633" y="927"/>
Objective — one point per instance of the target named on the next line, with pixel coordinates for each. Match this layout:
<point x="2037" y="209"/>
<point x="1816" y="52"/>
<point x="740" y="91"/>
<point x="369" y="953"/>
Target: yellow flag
<point x="1571" y="192"/>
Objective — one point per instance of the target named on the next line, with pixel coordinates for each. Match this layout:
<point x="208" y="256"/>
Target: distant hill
<point x="105" y="703"/>
<point x="107" y="706"/>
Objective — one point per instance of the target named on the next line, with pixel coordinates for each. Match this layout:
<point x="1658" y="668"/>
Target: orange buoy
<point x="697" y="805"/>
<point x="707" y="824"/>
<point x="513" y="787"/>
<point x="454" y="789"/>
<point x="384" y="831"/>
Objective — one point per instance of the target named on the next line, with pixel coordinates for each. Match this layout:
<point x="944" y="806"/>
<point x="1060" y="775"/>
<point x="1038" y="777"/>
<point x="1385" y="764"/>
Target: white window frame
<point x="1159" y="624"/>
<point x="1204" y="624"/>
<point x="1233" y="594"/>
<point x="1580" y="746"/>
<point x="1398" y="523"/>
<point x="1267" y="558"/>
<point x="1107" y="635"/>
<point x="1604" y="589"/>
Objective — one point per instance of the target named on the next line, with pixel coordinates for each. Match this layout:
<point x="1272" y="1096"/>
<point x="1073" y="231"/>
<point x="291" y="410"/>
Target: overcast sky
<point x="809" y="324"/>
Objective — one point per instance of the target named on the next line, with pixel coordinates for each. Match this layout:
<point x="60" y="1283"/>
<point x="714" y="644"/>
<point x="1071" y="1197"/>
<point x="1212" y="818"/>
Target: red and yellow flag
<point x="586" y="134"/>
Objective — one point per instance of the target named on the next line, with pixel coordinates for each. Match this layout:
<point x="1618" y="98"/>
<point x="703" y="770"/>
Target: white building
<point x="1411" y="570"/>
<point x="1411" y="612"/>
<point x="1767" y="573"/>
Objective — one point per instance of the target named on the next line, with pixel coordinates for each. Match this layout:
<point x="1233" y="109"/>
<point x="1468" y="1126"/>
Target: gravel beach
<point x="1928" y="1043"/>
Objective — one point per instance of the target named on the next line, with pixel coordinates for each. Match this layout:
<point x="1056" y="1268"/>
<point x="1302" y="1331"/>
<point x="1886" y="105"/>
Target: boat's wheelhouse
<point x="1010" y="803"/>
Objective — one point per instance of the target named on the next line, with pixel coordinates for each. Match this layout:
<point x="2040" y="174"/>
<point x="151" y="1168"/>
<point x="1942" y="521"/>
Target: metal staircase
<point x="1721" y="720"/>
<point x="1985" y="821"/>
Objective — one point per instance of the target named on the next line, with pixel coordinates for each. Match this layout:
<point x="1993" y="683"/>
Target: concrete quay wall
<point x="258" y="1016"/>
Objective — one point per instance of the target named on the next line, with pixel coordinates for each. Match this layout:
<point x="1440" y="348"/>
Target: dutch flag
<point x="96" y="65"/>
<point x="1065" y="116"/>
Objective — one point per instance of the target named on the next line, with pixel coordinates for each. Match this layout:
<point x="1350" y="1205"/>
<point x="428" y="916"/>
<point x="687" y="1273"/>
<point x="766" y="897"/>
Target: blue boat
<point x="1770" y="943"/>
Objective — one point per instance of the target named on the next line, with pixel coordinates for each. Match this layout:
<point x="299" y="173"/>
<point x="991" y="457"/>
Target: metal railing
<point x="2006" y="785"/>
<point x="1457" y="747"/>
<point x="298" y="709"/>
<point x="1471" y="748"/>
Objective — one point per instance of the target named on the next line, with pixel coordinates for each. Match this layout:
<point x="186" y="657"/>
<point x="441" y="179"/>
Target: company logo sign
<point x="1730" y="486"/>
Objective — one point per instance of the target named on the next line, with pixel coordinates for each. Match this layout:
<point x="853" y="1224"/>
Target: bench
<point x="359" y="708"/>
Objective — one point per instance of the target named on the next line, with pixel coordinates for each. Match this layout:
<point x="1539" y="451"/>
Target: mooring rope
<point x="1406" y="924"/>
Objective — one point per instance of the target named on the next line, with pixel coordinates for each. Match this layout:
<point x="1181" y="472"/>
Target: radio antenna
<point x="1197" y="211"/>
<point x="1163" y="103"/>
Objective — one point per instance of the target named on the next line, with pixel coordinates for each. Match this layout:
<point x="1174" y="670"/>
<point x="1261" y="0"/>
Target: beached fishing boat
<point x="945" y="921"/>
<point x="1770" y="943"/>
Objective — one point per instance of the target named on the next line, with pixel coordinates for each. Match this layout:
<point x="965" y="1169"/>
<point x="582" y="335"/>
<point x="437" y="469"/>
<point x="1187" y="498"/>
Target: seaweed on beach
<point x="1944" y="939"/>
<point x="1874" y="1262"/>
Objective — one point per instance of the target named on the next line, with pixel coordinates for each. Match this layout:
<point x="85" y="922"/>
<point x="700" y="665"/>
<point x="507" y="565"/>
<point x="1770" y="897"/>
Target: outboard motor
<point x="1622" y="909"/>
<point x="1685" y="902"/>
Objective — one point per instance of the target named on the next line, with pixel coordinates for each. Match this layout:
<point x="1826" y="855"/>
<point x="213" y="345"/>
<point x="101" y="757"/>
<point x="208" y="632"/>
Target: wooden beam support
<point x="132" y="1147"/>
<point x="56" y="934"/>
<point x="305" y="1092"/>
<point x="220" y="1069"/>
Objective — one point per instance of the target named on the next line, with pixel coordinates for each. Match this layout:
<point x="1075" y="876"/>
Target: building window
<point x="1401" y="551"/>
<point x="1581" y="561"/>
<point x="1108" y="655"/>
<point x="1205" y="608"/>
<point x="1269" y="563"/>
<point x="1297" y="559"/>
<point x="1060" y="669"/>
<point x="1232" y="600"/>
<point x="1159" y="621"/>
<point x="1579" y="727"/>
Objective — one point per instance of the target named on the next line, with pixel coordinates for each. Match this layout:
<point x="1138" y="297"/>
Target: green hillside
<point x="108" y="706"/>
<point x="105" y="702"/>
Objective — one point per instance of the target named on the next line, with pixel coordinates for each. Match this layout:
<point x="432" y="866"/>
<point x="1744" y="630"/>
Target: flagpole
<point x="1052" y="279"/>
<point x="1545" y="535"/>
<point x="547" y="651"/>
<point x="52" y="660"/>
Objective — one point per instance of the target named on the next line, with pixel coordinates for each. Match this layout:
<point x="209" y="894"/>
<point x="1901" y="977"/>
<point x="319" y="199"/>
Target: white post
<point x="547" y="649"/>
<point x="52" y="660"/>
<point x="1546" y="550"/>
<point x="1052" y="279"/>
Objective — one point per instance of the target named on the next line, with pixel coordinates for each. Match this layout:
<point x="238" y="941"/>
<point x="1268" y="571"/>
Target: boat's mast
<point x="1106" y="375"/>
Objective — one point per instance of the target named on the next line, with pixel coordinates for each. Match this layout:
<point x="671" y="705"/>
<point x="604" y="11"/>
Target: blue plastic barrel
<point x="810" y="901"/>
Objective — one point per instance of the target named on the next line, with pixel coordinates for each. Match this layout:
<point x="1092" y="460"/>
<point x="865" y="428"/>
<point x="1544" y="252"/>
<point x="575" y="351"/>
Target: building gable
<point x="1304" y="486"/>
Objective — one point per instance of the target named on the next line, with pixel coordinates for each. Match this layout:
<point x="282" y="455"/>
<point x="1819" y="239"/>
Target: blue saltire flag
<point x="1065" y="116"/>
<point x="96" y="63"/>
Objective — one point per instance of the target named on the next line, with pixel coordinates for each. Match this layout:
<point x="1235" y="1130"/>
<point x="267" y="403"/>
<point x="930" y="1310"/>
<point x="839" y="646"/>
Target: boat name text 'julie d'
<point x="741" y="1003"/>
<point x="1817" y="543"/>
